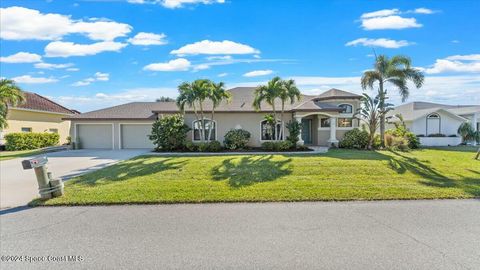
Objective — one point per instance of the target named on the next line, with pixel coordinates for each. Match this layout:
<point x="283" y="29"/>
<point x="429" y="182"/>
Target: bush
<point x="436" y="135"/>
<point x="269" y="146"/>
<point x="169" y="133"/>
<point x="213" y="146"/>
<point x="236" y="139"/>
<point x="355" y="139"/>
<point x="190" y="146"/>
<point x="294" y="129"/>
<point x="30" y="140"/>
<point x="402" y="131"/>
<point x="396" y="143"/>
<point x="452" y="136"/>
<point x="277" y="146"/>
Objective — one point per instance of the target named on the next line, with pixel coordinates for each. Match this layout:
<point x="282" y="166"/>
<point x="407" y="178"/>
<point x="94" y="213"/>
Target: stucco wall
<point x="448" y="125"/>
<point x="38" y="122"/>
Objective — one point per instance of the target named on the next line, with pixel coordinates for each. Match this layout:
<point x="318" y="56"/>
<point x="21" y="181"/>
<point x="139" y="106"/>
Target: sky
<point x="92" y="54"/>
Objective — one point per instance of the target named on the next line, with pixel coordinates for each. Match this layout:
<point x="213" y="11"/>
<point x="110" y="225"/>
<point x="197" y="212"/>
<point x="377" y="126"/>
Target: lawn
<point x="337" y="175"/>
<point x="6" y="155"/>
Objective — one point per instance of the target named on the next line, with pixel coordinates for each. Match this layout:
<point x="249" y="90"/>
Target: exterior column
<point x="333" y="131"/>
<point x="299" y="121"/>
<point x="474" y="125"/>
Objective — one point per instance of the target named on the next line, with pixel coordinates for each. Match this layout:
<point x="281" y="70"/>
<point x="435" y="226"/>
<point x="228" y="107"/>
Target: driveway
<point x="18" y="186"/>
<point x="314" y="235"/>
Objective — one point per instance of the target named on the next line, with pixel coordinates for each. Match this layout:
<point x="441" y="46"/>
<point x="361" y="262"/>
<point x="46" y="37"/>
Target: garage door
<point x="95" y="136"/>
<point x="136" y="136"/>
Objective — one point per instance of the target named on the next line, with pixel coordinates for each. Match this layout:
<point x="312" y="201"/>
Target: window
<point x="433" y="115"/>
<point x="26" y="129"/>
<point x="53" y="130"/>
<point x="197" y="126"/>
<point x="324" y="122"/>
<point x="347" y="108"/>
<point x="268" y="133"/>
<point x="345" y="122"/>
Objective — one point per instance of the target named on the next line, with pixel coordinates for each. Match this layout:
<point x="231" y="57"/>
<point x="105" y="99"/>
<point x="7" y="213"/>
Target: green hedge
<point x="30" y="140"/>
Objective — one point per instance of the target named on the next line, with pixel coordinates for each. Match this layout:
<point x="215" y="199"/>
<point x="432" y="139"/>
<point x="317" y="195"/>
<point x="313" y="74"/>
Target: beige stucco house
<point x="38" y="114"/>
<point x="325" y="119"/>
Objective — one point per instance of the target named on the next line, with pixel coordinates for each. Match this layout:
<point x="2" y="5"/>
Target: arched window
<point x="197" y="127"/>
<point x="433" y="115"/>
<point x="268" y="132"/>
<point x="433" y="124"/>
<point x="347" y="108"/>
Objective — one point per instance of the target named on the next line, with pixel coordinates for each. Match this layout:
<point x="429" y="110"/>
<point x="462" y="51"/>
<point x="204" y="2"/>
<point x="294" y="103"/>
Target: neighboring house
<point x="425" y="119"/>
<point x="325" y="119"/>
<point x="38" y="114"/>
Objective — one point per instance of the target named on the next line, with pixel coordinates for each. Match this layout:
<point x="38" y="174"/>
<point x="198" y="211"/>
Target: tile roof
<point x="337" y="94"/>
<point x="37" y="102"/>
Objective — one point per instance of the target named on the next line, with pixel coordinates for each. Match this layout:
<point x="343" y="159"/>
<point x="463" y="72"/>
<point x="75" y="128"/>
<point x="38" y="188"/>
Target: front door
<point x="307" y="131"/>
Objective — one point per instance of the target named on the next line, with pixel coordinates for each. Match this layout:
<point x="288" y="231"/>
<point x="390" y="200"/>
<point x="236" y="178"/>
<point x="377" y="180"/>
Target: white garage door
<point x="93" y="136"/>
<point x="136" y="136"/>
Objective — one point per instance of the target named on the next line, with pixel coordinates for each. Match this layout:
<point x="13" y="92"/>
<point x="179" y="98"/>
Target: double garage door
<point x="101" y="136"/>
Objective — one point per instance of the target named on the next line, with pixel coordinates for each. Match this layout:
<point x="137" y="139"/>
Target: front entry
<point x="307" y="131"/>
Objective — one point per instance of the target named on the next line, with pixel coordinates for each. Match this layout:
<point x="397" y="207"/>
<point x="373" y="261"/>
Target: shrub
<point x="436" y="135"/>
<point x="30" y="140"/>
<point x="169" y="133"/>
<point x="285" y="145"/>
<point x="190" y="146"/>
<point x="452" y="136"/>
<point x="277" y="146"/>
<point x="294" y="129"/>
<point x="396" y="143"/>
<point x="355" y="139"/>
<point x="214" y="146"/>
<point x="402" y="131"/>
<point x="269" y="146"/>
<point x="236" y="139"/>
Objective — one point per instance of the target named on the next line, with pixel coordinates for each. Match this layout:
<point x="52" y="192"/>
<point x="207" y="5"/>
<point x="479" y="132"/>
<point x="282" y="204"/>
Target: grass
<point x="6" y="155"/>
<point x="337" y="175"/>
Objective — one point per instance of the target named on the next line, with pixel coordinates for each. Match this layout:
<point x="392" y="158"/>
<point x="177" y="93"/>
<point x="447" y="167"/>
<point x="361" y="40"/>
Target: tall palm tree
<point x="395" y="71"/>
<point x="269" y="93"/>
<point x="10" y="95"/>
<point x="289" y="91"/>
<point x="217" y="95"/>
<point x="371" y="114"/>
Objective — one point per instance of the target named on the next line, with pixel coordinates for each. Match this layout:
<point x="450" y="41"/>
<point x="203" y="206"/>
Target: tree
<point x="169" y="133"/>
<point x="468" y="133"/>
<point x="165" y="99"/>
<point x="371" y="113"/>
<point x="217" y="95"/>
<point x="269" y="93"/>
<point x="288" y="92"/>
<point x="395" y="71"/>
<point x="10" y="95"/>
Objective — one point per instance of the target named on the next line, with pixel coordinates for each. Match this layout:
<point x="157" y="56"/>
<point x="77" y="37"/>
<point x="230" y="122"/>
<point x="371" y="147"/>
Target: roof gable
<point x="37" y="102"/>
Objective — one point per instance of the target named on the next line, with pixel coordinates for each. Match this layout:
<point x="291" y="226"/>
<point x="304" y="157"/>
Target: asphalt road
<point x="19" y="186"/>
<point x="322" y="235"/>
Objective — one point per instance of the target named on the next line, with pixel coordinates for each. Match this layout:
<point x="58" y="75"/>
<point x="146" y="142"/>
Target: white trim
<point x="75" y="130"/>
<point x="314" y="113"/>
<point x="120" y="146"/>
<point x="340" y="113"/>
<point x="278" y="122"/>
<point x="39" y="111"/>
<point x="193" y="129"/>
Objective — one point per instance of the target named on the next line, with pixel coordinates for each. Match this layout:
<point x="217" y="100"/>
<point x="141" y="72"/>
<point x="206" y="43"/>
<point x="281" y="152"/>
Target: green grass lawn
<point x="6" y="155"/>
<point x="337" y="175"/>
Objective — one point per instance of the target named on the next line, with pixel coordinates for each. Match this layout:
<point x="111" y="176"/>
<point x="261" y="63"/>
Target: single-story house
<point x="38" y="114"/>
<point x="325" y="118"/>
<point x="426" y="119"/>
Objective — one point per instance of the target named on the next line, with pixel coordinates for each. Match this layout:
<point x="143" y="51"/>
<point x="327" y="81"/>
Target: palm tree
<point x="371" y="113"/>
<point x="269" y="93"/>
<point x="289" y="91"/>
<point x="10" y="95"/>
<point x="468" y="133"/>
<point x="395" y="71"/>
<point x="217" y="95"/>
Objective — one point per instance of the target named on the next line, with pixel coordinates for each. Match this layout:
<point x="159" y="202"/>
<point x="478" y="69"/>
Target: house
<point x="426" y="119"/>
<point x="38" y="114"/>
<point x="325" y="119"/>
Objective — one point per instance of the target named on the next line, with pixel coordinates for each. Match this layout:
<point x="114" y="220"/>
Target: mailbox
<point x="34" y="162"/>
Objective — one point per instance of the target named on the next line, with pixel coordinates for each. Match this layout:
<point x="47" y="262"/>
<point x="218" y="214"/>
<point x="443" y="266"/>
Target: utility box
<point x="47" y="186"/>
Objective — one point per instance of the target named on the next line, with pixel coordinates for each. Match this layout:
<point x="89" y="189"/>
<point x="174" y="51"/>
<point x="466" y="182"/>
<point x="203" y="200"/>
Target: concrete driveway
<point x="312" y="235"/>
<point x="18" y="186"/>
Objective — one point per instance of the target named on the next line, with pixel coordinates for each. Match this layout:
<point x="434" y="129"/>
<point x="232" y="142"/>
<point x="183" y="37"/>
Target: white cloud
<point x="380" y="13"/>
<point x="213" y="58"/>
<point x="176" y="3"/>
<point x="180" y="64"/>
<point x="33" y="80"/>
<point x="257" y="73"/>
<point x="389" y="22"/>
<point x="98" y="76"/>
<point x="468" y="57"/>
<point x="44" y="65"/>
<point x="379" y="42"/>
<point x="146" y="39"/>
<point x="444" y="66"/>
<point x="224" y="74"/>
<point x="215" y="47"/>
<point x="67" y="49"/>
<point x="19" y="23"/>
<point x="21" y="57"/>
<point x="72" y="69"/>
<point x="423" y="11"/>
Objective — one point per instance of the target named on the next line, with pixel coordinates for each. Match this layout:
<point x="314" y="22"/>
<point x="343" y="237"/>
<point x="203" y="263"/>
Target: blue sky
<point x="98" y="53"/>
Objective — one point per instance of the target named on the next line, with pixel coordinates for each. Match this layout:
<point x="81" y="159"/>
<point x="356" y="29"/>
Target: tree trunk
<point x="211" y="125"/>
<point x="478" y="154"/>
<point x="382" y="116"/>
<point x="283" y="126"/>
<point x="198" y="120"/>
<point x="202" y="134"/>
<point x="275" y="122"/>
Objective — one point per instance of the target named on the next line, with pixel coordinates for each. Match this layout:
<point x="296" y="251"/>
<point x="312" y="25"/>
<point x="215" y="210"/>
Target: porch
<point x="324" y="129"/>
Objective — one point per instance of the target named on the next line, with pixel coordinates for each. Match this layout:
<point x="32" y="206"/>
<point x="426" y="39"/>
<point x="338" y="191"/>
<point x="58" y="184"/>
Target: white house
<point x="427" y="119"/>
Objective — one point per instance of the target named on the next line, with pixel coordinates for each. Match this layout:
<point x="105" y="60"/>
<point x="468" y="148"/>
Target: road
<point x="18" y="186"/>
<point x="437" y="234"/>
